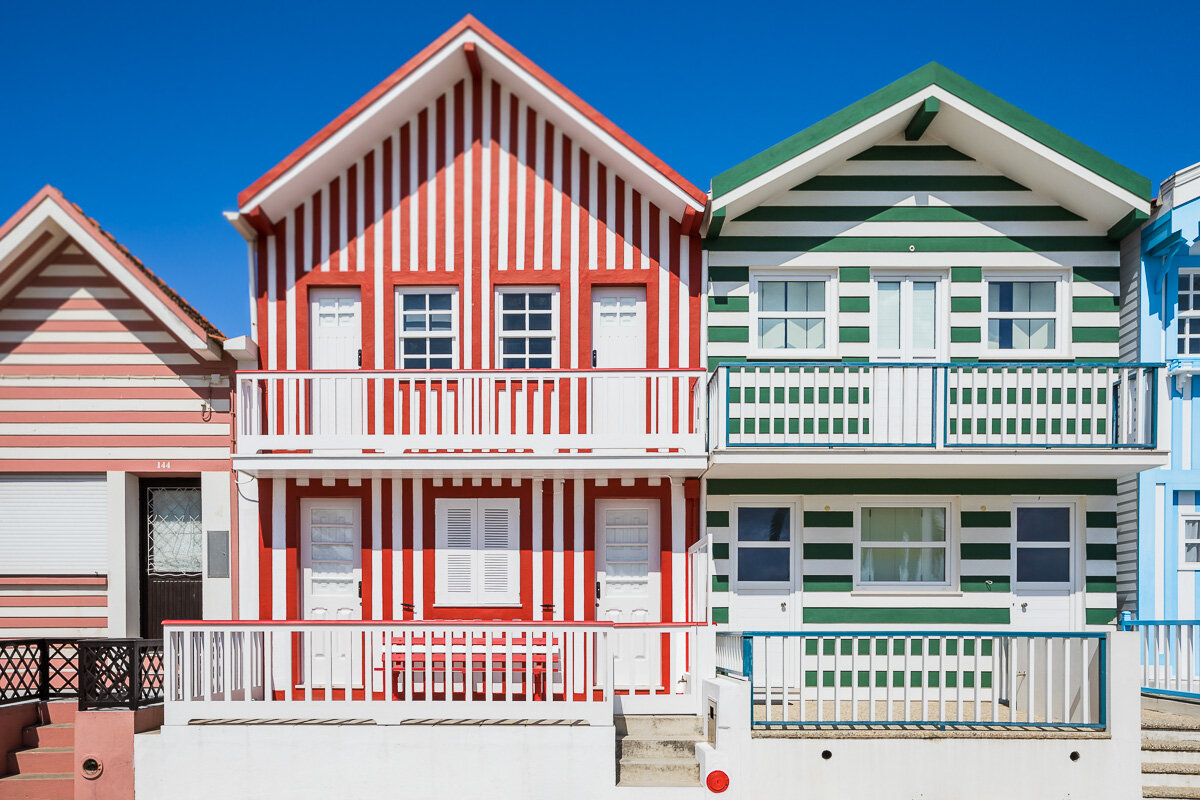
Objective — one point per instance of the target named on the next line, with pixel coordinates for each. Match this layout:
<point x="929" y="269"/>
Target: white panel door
<point x="908" y="315"/>
<point x="765" y="557"/>
<point x="335" y="327"/>
<point x="1047" y="590"/>
<point x="331" y="585"/>
<point x="618" y="342"/>
<point x="629" y="583"/>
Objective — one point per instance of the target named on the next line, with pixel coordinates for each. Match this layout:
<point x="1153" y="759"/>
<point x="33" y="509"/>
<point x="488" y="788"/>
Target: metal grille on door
<point x="627" y="551"/>
<point x="332" y="555"/>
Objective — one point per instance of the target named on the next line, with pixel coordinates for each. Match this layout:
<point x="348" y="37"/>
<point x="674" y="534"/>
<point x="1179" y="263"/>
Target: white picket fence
<point x="1170" y="655"/>
<point x="538" y="411"/>
<point x="393" y="671"/>
<point x="942" y="679"/>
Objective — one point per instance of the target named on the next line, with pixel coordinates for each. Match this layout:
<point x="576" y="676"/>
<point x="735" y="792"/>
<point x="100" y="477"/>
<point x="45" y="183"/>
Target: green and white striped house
<point x="917" y="412"/>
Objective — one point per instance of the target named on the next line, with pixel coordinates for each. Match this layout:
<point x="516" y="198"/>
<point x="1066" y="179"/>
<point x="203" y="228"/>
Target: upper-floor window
<point x="527" y="328"/>
<point x="426" y="328"/>
<point x="791" y="314"/>
<point x="1189" y="313"/>
<point x="1024" y="316"/>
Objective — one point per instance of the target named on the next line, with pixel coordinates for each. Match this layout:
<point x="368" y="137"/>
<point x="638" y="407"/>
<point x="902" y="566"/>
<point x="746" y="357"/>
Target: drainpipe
<point x="248" y="233"/>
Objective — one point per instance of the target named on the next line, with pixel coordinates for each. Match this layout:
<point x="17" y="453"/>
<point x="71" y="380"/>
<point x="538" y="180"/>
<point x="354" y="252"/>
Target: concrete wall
<point x="13" y="720"/>
<point x="938" y="766"/>
<point x="108" y="737"/>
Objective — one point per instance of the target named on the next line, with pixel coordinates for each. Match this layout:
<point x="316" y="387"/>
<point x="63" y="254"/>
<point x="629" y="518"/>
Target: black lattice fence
<point x="38" y="669"/>
<point x="120" y="673"/>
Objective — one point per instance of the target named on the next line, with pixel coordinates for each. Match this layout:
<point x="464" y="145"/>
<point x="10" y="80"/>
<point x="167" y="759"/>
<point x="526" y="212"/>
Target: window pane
<point x="1191" y="529"/>
<point x="1043" y="564"/>
<point x="441" y="347"/>
<point x="1000" y="334"/>
<point x="441" y="363"/>
<point x="1191" y="553"/>
<point x="1000" y="296"/>
<point x="764" y="524"/>
<point x="439" y="322"/>
<point x="771" y="334"/>
<point x="924" y="317"/>
<point x="764" y="564"/>
<point x="1040" y="524"/>
<point x="772" y="296"/>
<point x="539" y="363"/>
<point x="1032" y="334"/>
<point x="413" y="347"/>
<point x="1041" y="296"/>
<point x="414" y="322"/>
<point x="414" y="302"/>
<point x="539" y="302"/>
<point x="512" y="301"/>
<point x="903" y="564"/>
<point x="439" y="302"/>
<point x="888" y="315"/>
<point x="805" y="296"/>
<point x="805" y="333"/>
<point x="539" y="322"/>
<point x="540" y="346"/>
<point x="513" y="346"/>
<point x="904" y="524"/>
<point x="514" y="322"/>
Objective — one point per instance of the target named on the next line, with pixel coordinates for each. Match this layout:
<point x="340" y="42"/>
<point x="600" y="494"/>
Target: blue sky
<point x="152" y="116"/>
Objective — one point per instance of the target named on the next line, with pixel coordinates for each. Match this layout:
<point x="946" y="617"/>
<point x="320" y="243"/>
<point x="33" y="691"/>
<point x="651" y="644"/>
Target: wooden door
<point x="335" y="328"/>
<point x="629" y="579"/>
<point x="171" y="534"/>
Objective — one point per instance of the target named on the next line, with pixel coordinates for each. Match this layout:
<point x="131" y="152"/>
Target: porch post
<point x="124" y="564"/>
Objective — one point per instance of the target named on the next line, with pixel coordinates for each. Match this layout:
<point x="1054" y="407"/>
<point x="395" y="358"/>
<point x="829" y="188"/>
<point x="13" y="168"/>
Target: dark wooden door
<point x="171" y="563"/>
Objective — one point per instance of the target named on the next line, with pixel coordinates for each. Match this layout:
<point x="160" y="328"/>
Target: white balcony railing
<point x="392" y="671"/>
<point x="960" y="405"/>
<point x="472" y="411"/>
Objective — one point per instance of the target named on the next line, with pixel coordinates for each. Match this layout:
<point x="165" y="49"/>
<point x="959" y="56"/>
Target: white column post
<point x="124" y="580"/>
<point x="216" y="593"/>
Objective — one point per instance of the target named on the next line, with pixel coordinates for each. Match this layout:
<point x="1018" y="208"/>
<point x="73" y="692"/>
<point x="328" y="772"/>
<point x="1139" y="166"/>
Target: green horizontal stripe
<point x="716" y="361"/>
<point x="901" y="244"/>
<point x="717" y="519"/>
<point x="1100" y="616"/>
<point x="968" y="334"/>
<point x="966" y="305"/>
<point x="910" y="152"/>
<point x="1108" y="334"/>
<point x="986" y="519"/>
<point x="829" y="519"/>
<point x="1101" y="519"/>
<point x="910" y="183"/>
<point x="1101" y="552"/>
<point x="828" y="583"/>
<point x="966" y="274"/>
<point x="854" y="274"/>
<point x="728" y="303"/>
<point x="720" y="583"/>
<point x="979" y="583"/>
<point x="720" y="551"/>
<point x="851" y="333"/>
<point x="731" y="274"/>
<point x="885" y="616"/>
<point x="720" y="615"/>
<point x="976" y="551"/>
<point x="728" y="333"/>
<point x="1101" y="583"/>
<point x="932" y="486"/>
<point x="1097" y="274"/>
<point x="854" y="304"/>
<point x="1107" y="304"/>
<point x="831" y="550"/>
<point x="792" y="213"/>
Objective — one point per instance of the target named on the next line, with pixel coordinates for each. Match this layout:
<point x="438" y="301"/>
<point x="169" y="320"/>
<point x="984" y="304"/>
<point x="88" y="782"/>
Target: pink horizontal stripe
<point x="436" y="623"/>
<point x="53" y="580"/>
<point x="149" y="439"/>
<point x="97" y="600"/>
<point x="70" y="416"/>
<point x="53" y="622"/>
<point x="182" y="467"/>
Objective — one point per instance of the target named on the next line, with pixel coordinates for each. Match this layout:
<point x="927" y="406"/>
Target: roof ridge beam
<point x="921" y="120"/>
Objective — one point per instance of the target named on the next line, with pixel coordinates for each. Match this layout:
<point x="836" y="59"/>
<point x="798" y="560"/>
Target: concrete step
<point x="680" y="726"/>
<point x="657" y="772"/>
<point x="41" y="760"/>
<point x="1172" y="781"/>
<point x="58" y="712"/>
<point x="55" y="786"/>
<point x="1168" y="755"/>
<point x="1156" y="720"/>
<point x="1171" y="792"/>
<point x="1182" y="737"/>
<point x="56" y="734"/>
<point x="655" y="747"/>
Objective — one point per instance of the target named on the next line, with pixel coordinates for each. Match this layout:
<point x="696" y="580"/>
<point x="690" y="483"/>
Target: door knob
<point x="593" y="358"/>
<point x="783" y="606"/>
<point x="1024" y="606"/>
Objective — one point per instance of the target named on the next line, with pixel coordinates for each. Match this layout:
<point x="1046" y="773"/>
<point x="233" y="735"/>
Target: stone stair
<point x="658" y="750"/>
<point x="45" y="768"/>
<point x="1170" y="755"/>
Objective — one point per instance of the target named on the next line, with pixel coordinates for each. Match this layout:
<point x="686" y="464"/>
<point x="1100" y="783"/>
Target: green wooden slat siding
<point x="728" y="333"/>
<point x="984" y="550"/>
<point x="1109" y="305"/>
<point x="804" y="213"/>
<point x="828" y="583"/>
<point x="718" y="303"/>
<point x="854" y="274"/>
<point x="1097" y="274"/>
<point x="930" y="486"/>
<point x="1101" y="519"/>
<point x="829" y="550"/>
<point x="1101" y="584"/>
<point x="1101" y="552"/>
<point x="965" y="305"/>
<point x="986" y="519"/>
<point x="717" y="519"/>
<point x="920" y="152"/>
<point x="720" y="615"/>
<point x="889" y="616"/>
<point x="731" y="274"/>
<point x="854" y="304"/>
<point x="910" y="183"/>
<point x="904" y="244"/>
<point x="720" y="550"/>
<point x="958" y="334"/>
<point x="966" y="274"/>
<point x="1106" y="334"/>
<point x="720" y="583"/>
<point x="1100" y="616"/>
<point x="979" y="583"/>
<point x="829" y="519"/>
<point x="854" y="333"/>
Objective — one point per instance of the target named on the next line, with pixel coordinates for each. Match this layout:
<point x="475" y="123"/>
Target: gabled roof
<point x="466" y="48"/>
<point x="48" y="220"/>
<point x="966" y="117"/>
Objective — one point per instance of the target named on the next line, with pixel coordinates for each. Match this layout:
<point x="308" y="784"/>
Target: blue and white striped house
<point x="1159" y="515"/>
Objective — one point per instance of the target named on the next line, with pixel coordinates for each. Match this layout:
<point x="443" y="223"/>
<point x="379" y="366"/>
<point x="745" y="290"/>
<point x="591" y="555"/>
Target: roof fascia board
<point x="771" y="159"/>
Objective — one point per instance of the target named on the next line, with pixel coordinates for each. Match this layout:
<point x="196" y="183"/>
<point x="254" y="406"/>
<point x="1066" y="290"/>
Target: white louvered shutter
<point x="499" y="550"/>
<point x="455" y="562"/>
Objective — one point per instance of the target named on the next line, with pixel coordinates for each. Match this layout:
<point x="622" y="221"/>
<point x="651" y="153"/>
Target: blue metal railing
<point x="1044" y="405"/>
<point x="1169" y="655"/>
<point x="941" y="679"/>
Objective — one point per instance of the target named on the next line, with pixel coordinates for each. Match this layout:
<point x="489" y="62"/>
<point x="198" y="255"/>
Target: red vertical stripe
<point x="619" y="223"/>
<point x="460" y="165"/>
<point x="266" y="486"/>
<point x="351" y="232"/>
<point x="315" y="234"/>
<point x="335" y="225"/>
<point x="531" y="184"/>
<point x="601" y="214"/>
<point x="636" y="235"/>
<point x="385" y="543"/>
<point x="422" y="189"/>
<point x="514" y="117"/>
<point x="585" y="213"/>
<point x="439" y="155"/>
<point x="549" y="189"/>
<point x="405" y="199"/>
<point x="477" y="202"/>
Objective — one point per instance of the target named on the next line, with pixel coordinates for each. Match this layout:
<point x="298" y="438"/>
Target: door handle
<point x="783" y="606"/>
<point x="360" y="590"/>
<point x="360" y="356"/>
<point x="593" y="358"/>
<point x="597" y="590"/>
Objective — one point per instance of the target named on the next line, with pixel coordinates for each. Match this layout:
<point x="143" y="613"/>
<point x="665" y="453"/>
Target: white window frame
<point x="442" y="600"/>
<point x="1180" y="316"/>
<point x="790" y="546"/>
<point x="501" y="334"/>
<point x="1074" y="545"/>
<point x="830" y="315"/>
<point x="941" y="323"/>
<point x="402" y="335"/>
<point x="1183" y="541"/>
<point x="951" y="545"/>
<point x="1062" y="314"/>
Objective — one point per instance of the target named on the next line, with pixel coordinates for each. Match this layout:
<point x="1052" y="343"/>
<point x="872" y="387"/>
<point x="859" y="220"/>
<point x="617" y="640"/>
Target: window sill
<point x="890" y="592"/>
<point x="477" y="605"/>
<point x="1024" y="355"/>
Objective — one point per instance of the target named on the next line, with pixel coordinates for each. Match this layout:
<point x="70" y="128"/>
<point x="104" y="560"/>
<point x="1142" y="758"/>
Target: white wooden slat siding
<point x="53" y="525"/>
<point x="477" y="552"/>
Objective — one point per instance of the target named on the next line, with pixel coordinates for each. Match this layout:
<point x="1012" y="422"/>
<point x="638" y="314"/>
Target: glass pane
<point x="888" y="316"/>
<point x="764" y="524"/>
<point x="1191" y="553"/>
<point x="513" y="346"/>
<point x="439" y="302"/>
<point x="414" y="302"/>
<point x="512" y="301"/>
<point x="1000" y="296"/>
<point x="414" y="322"/>
<point x="439" y="322"/>
<point x="539" y="322"/>
<point x="540" y="346"/>
<point x="771" y="334"/>
<point x="539" y="302"/>
<point x="441" y="363"/>
<point x="1043" y="524"/>
<point x="1000" y="334"/>
<point x="513" y="322"/>
<point x="539" y="363"/>
<point x="332" y="552"/>
<point x="904" y="524"/>
<point x="1191" y="529"/>
<point x="441" y="347"/>
<point x="174" y="531"/>
<point x="924" y="315"/>
<point x="336" y="534"/>
<point x="764" y="564"/>
<point x="772" y="296"/>
<point x="1032" y="334"/>
<point x="625" y="553"/>
<point x="415" y="363"/>
<point x="332" y="568"/>
<point x="324" y="516"/>
<point x="1041" y="296"/>
<point x="414" y="347"/>
<point x="1043" y="564"/>
<point x="627" y="516"/>
<point x="903" y="564"/>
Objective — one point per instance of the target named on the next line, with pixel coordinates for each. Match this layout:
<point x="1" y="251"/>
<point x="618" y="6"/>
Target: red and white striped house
<point x="477" y="309"/>
<point x="115" y="431"/>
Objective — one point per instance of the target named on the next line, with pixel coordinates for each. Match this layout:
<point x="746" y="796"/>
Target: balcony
<point x="535" y="420"/>
<point x="884" y="419"/>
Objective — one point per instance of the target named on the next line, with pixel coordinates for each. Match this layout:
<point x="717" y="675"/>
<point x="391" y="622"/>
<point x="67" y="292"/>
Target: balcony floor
<point x="508" y="465"/>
